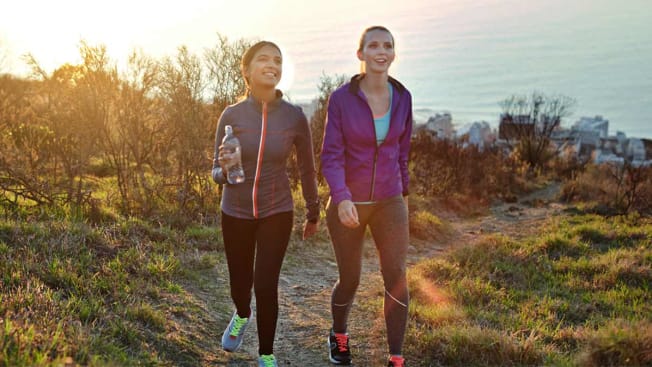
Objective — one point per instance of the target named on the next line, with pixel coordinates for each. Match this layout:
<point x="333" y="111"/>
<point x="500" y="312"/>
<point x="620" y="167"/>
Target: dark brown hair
<point x="248" y="56"/>
<point x="373" y="28"/>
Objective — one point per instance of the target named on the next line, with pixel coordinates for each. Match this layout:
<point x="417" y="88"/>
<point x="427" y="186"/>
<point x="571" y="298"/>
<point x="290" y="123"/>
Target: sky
<point x="461" y="56"/>
<point x="52" y="30"/>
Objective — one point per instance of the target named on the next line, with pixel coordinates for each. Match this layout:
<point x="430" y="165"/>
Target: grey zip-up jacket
<point x="268" y="132"/>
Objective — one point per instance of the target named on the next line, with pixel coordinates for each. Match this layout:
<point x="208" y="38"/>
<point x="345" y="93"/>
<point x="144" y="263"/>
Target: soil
<point x="310" y="271"/>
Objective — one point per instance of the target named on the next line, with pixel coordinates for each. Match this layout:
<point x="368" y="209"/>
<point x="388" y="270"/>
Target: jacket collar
<point x="354" y="85"/>
<point x="271" y="105"/>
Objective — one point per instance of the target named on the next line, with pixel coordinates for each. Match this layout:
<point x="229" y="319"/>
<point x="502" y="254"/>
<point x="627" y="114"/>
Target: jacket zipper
<point x="373" y="172"/>
<point x="259" y="160"/>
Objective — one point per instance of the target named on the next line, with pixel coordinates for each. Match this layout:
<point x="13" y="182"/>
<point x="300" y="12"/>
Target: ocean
<point x="465" y="56"/>
<point x="456" y="56"/>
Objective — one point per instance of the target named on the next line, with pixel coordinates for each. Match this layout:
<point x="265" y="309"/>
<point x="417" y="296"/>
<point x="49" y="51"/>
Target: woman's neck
<point x="374" y="83"/>
<point x="264" y="94"/>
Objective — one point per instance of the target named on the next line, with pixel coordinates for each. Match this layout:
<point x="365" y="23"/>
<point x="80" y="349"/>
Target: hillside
<point x="136" y="294"/>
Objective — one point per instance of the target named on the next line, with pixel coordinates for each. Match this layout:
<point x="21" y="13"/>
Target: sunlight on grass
<point x="547" y="300"/>
<point x="431" y="303"/>
<point x="425" y="225"/>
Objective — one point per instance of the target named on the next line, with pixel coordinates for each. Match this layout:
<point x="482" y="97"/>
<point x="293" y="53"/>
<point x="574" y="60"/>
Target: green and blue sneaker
<point x="267" y="360"/>
<point x="234" y="333"/>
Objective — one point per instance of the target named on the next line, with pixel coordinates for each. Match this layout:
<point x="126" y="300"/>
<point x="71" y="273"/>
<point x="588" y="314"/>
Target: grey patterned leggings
<point x="388" y="222"/>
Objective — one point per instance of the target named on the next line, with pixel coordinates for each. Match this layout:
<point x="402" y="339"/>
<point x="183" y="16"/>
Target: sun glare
<point x="288" y="71"/>
<point x="52" y="31"/>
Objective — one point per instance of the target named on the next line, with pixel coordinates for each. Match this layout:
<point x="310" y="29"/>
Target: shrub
<point x="612" y="189"/>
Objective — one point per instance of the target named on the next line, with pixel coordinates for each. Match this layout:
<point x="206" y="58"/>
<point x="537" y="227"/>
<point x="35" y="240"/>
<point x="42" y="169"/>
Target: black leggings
<point x="255" y="249"/>
<point x="388" y="222"/>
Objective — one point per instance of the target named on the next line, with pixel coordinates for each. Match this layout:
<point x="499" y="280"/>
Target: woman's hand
<point x="348" y="214"/>
<point x="226" y="158"/>
<point x="309" y="229"/>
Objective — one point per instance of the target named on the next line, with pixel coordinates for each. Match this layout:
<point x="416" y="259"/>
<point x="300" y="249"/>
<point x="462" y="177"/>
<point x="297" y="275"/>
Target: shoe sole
<point x="334" y="361"/>
<point x="235" y="348"/>
<point x="232" y="350"/>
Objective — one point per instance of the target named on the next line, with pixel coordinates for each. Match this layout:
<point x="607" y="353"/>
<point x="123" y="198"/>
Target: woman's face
<point x="378" y="51"/>
<point x="264" y="70"/>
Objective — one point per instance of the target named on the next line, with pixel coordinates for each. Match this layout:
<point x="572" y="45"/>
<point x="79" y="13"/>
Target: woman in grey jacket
<point x="257" y="214"/>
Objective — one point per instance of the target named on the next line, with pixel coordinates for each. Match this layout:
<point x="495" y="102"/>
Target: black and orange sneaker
<point x="396" y="361"/>
<point x="339" y="351"/>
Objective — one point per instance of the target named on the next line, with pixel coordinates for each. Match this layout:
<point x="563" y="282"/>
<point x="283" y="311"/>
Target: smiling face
<point x="377" y="51"/>
<point x="264" y="69"/>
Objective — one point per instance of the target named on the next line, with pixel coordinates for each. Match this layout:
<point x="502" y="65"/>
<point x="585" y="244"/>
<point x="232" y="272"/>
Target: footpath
<point x="310" y="271"/>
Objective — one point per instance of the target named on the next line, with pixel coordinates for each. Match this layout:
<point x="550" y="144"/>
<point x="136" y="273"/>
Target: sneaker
<point x="267" y="360"/>
<point x="396" y="361"/>
<point x="339" y="351"/>
<point x="234" y="333"/>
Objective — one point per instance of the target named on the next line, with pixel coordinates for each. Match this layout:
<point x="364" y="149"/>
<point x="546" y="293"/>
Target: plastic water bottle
<point x="231" y="144"/>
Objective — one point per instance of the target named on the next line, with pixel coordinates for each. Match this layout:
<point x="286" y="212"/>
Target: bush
<point x="612" y="189"/>
<point x="442" y="168"/>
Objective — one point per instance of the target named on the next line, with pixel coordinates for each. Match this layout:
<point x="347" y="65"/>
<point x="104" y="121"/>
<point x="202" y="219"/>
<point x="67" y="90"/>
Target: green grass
<point x="128" y="292"/>
<point x="426" y="226"/>
<point x="104" y="295"/>
<point x="577" y="294"/>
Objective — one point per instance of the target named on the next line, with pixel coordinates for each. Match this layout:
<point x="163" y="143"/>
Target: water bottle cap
<point x="228" y="129"/>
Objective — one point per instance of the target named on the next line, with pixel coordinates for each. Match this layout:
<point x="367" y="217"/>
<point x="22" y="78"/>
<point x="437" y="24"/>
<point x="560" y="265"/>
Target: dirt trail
<point x="306" y="281"/>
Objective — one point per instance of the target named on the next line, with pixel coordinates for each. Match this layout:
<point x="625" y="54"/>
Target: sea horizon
<point x="458" y="56"/>
<point x="468" y="59"/>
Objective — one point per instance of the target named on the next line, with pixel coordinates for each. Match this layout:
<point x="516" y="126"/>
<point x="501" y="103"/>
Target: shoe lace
<point x="342" y="342"/>
<point x="268" y="360"/>
<point x="238" y="323"/>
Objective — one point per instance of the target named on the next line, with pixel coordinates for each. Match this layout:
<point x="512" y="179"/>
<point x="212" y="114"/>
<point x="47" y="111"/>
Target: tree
<point x="75" y="103"/>
<point x="188" y="128"/>
<point x="631" y="187"/>
<point x="134" y="133"/>
<point x="225" y="81"/>
<point x="528" y="123"/>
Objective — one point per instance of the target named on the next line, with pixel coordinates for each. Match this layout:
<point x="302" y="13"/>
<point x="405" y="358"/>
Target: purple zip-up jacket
<point x="355" y="167"/>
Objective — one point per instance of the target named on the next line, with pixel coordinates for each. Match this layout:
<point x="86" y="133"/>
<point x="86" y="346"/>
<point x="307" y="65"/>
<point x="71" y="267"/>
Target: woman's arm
<point x="306" y="164"/>
<point x="332" y="154"/>
<point x="404" y="148"/>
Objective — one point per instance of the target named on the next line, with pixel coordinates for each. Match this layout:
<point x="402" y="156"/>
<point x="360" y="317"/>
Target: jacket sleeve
<point x="404" y="153"/>
<point x="217" y="173"/>
<point x="333" y="153"/>
<point x="306" y="163"/>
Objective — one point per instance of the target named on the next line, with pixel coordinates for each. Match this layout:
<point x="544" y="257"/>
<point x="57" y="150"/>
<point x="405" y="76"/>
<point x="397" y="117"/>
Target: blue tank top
<point x="382" y="122"/>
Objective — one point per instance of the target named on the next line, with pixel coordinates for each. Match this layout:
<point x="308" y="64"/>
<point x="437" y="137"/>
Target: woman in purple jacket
<point x="365" y="162"/>
<point x="257" y="214"/>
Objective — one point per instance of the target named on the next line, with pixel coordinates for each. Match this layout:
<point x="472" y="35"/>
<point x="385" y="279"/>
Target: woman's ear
<point x="359" y="53"/>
